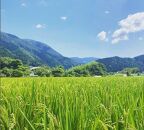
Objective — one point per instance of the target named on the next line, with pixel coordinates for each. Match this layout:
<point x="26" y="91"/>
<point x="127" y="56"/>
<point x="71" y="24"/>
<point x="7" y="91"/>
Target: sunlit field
<point x="110" y="103"/>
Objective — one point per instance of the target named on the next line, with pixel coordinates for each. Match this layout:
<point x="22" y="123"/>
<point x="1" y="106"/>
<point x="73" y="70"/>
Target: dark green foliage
<point x="140" y="62"/>
<point x="6" y="72"/>
<point x="25" y="69"/>
<point x="130" y="71"/>
<point x="78" y="71"/>
<point x="43" y="71"/>
<point x="31" y="52"/>
<point x="17" y="73"/>
<point x="5" y="62"/>
<point x="58" y="71"/>
<point x="90" y="69"/>
<point x="96" y="68"/>
<point x="15" y="64"/>
<point x="13" y="68"/>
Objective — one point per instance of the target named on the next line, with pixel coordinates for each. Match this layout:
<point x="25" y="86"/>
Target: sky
<point x="79" y="28"/>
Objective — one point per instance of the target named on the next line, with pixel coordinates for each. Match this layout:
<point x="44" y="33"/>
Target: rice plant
<point x="110" y="103"/>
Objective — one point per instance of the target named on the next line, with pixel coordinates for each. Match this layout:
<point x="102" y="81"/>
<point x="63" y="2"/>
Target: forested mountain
<point x="36" y="53"/>
<point x="114" y="64"/>
<point x="31" y="52"/>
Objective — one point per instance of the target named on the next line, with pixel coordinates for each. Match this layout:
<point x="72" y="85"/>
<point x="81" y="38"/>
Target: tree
<point x="15" y="64"/>
<point x="7" y="72"/>
<point x="58" y="71"/>
<point x="13" y="67"/>
<point x="43" y="71"/>
<point x="17" y="73"/>
<point x="129" y="71"/>
<point x="90" y="69"/>
<point x="5" y="62"/>
<point x="25" y="70"/>
<point x="96" y="68"/>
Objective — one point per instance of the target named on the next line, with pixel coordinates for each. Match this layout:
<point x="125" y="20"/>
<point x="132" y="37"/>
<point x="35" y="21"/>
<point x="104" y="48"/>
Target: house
<point x="33" y="68"/>
<point x="97" y="76"/>
<point x="32" y="73"/>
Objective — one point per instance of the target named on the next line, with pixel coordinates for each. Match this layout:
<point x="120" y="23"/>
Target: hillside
<point x="31" y="52"/>
<point x="37" y="53"/>
<point x="114" y="64"/>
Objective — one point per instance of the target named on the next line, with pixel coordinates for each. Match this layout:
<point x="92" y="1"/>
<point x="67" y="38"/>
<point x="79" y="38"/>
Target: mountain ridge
<point x="116" y="63"/>
<point x="36" y="53"/>
<point x="31" y="52"/>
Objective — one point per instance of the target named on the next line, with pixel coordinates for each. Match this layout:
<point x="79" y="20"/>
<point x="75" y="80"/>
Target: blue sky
<point x="82" y="28"/>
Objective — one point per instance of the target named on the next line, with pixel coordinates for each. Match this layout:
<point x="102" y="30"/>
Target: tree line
<point x="15" y="68"/>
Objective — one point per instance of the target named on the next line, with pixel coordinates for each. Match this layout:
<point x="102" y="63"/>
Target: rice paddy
<point x="109" y="103"/>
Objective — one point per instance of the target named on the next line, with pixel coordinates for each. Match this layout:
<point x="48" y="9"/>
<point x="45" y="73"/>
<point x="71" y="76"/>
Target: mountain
<point x="114" y="64"/>
<point x="37" y="53"/>
<point x="83" y="60"/>
<point x="31" y="52"/>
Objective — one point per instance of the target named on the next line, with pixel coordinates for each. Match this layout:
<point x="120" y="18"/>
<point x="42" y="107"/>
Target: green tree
<point x="13" y="67"/>
<point x="25" y="70"/>
<point x="5" y="62"/>
<point x="58" y="71"/>
<point x="90" y="69"/>
<point x="130" y="71"/>
<point x="96" y="68"/>
<point x="17" y="73"/>
<point x="15" y="63"/>
<point x="6" y="72"/>
<point x="43" y="71"/>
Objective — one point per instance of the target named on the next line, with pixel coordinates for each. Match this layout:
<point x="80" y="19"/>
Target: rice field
<point x="109" y="103"/>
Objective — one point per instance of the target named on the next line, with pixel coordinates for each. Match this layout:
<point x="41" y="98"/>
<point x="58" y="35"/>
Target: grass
<point x="111" y="103"/>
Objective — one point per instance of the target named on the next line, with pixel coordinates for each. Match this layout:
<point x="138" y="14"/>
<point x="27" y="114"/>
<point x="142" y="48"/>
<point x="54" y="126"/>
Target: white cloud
<point x="40" y="26"/>
<point x="133" y="23"/>
<point x="63" y="18"/>
<point x="23" y="4"/>
<point x="102" y="36"/>
<point x="107" y="12"/>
